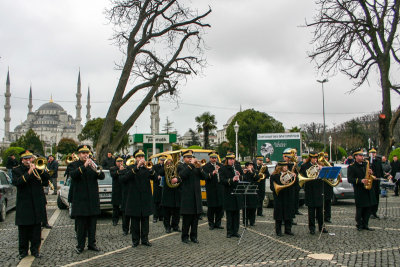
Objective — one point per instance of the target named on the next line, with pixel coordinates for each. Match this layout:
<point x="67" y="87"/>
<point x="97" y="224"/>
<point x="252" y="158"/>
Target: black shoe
<point x="368" y="229"/>
<point x="36" y="255"/>
<point x="168" y="231"/>
<point x="211" y="227"/>
<point x="299" y="213"/>
<point x="328" y="220"/>
<point x="252" y="224"/>
<point x="21" y="256"/>
<point x="125" y="233"/>
<point x="146" y="243"/>
<point x="176" y="230"/>
<point x="236" y="235"/>
<point x="312" y="232"/>
<point x="47" y="226"/>
<point x="219" y="227"/>
<point x="359" y="229"/>
<point x="78" y="250"/>
<point x="289" y="233"/>
<point x="294" y="223"/>
<point x="194" y="240"/>
<point x="94" y="248"/>
<point x="115" y="223"/>
<point x="375" y="216"/>
<point x="260" y="215"/>
<point x="134" y="245"/>
<point x="186" y="241"/>
<point x="279" y="234"/>
<point x="228" y="235"/>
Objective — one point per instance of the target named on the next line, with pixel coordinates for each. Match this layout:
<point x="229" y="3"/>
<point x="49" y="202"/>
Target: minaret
<point x="88" y="105"/>
<point x="7" y="108"/>
<point x="78" y="118"/>
<point x="30" y="106"/>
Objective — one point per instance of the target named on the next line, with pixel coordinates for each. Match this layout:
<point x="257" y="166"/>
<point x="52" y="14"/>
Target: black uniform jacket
<point x="284" y="202"/>
<point x="214" y="188"/>
<point x="191" y="191"/>
<point x="67" y="174"/>
<point x="124" y="188"/>
<point x="261" y="184"/>
<point x="252" y="178"/>
<point x="362" y="196"/>
<point x="395" y="168"/>
<point x="53" y="166"/>
<point x="171" y="197"/>
<point x="31" y="200"/>
<point x="85" y="195"/>
<point x="377" y="170"/>
<point x="231" y="202"/>
<point x="116" y="196"/>
<point x="313" y="189"/>
<point x="157" y="189"/>
<point x="138" y="198"/>
<point x="108" y="163"/>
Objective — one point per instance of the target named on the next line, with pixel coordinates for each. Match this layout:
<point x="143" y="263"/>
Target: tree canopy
<point x="67" y="146"/>
<point x="30" y="141"/>
<point x="206" y="124"/>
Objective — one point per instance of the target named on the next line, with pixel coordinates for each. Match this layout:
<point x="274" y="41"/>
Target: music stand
<point x="245" y="188"/>
<point x="326" y="173"/>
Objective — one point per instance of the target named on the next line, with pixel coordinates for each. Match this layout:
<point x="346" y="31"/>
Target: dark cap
<point x="84" y="148"/>
<point x="26" y="154"/>
<point x="187" y="153"/>
<point x="138" y="153"/>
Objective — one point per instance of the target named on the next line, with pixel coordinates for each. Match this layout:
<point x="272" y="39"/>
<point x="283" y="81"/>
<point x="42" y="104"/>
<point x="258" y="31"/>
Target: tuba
<point x="369" y="177"/>
<point x="171" y="169"/>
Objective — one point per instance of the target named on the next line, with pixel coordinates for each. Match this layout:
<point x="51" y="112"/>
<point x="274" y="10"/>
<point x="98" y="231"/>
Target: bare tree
<point x="358" y="37"/>
<point x="162" y="44"/>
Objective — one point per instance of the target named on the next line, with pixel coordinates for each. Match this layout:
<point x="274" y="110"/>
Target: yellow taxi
<point x="199" y="154"/>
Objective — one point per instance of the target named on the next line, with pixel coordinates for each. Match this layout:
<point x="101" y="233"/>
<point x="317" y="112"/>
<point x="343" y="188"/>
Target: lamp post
<point x="236" y="127"/>
<point x="323" y="105"/>
<point x="369" y="143"/>
<point x="153" y="109"/>
<point x="330" y="148"/>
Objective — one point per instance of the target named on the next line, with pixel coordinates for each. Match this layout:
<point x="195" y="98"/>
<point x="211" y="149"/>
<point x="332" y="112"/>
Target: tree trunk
<point x="206" y="141"/>
<point x="385" y="135"/>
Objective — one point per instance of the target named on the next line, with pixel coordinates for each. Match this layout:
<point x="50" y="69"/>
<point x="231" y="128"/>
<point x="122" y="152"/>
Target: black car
<point x="8" y="195"/>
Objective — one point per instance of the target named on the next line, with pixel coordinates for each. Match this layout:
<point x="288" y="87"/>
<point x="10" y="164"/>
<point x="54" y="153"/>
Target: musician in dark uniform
<point x="377" y="171"/>
<point x="52" y="166"/>
<point x="85" y="198"/>
<point x="261" y="184"/>
<point x="214" y="190"/>
<point x="30" y="209"/>
<point x="139" y="198"/>
<point x="171" y="203"/>
<point x="313" y="193"/>
<point x="250" y="175"/>
<point x="395" y="165"/>
<point x="365" y="199"/>
<point x="191" y="206"/>
<point x="230" y="176"/>
<point x="126" y="220"/>
<point x="283" y="201"/>
<point x="116" y="195"/>
<point x="287" y="156"/>
<point x="328" y="193"/>
<point x="158" y="184"/>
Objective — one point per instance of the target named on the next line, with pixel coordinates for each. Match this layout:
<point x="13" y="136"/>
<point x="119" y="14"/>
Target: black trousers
<point x="312" y="213"/>
<point x="86" y="225"/>
<point x="374" y="208"/>
<point x="396" y="187"/>
<point x="249" y="216"/>
<point x="171" y="213"/>
<point x="26" y="234"/>
<point x="214" y="215"/>
<point x="362" y="216"/>
<point x="296" y="198"/>
<point x="115" y="214"/>
<point x="278" y="226"/>
<point x="260" y="203"/>
<point x="189" y="222"/>
<point x="157" y="211"/>
<point x="232" y="221"/>
<point x="140" y="229"/>
<point x="126" y="221"/>
<point x="54" y="182"/>
<point x="327" y="209"/>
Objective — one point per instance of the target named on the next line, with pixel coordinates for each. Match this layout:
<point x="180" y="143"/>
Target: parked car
<point x="8" y="195"/>
<point x="344" y="190"/>
<point x="269" y="196"/>
<point x="105" y="190"/>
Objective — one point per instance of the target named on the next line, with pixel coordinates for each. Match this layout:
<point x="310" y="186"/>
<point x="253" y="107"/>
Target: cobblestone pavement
<point x="344" y="246"/>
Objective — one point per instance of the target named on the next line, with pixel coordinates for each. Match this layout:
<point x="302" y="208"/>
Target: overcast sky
<point x="257" y="59"/>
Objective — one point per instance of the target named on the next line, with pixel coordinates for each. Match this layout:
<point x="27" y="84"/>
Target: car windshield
<point x="107" y="180"/>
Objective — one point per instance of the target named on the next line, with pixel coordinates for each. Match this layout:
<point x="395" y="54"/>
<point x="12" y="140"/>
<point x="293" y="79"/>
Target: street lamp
<point x="330" y="148"/>
<point x="153" y="109"/>
<point x="323" y="105"/>
<point x="236" y="127"/>
<point x="369" y="143"/>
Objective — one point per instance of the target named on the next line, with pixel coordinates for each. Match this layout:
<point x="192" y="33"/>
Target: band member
<point x="214" y="190"/>
<point x="158" y="184"/>
<point x="328" y="193"/>
<point x="171" y="203"/>
<point x="52" y="166"/>
<point x="30" y="209"/>
<point x="191" y="206"/>
<point x="108" y="162"/>
<point x="313" y="193"/>
<point x="364" y="198"/>
<point x="251" y="176"/>
<point x="261" y="184"/>
<point x="116" y="195"/>
<point x="139" y="198"/>
<point x="377" y="171"/>
<point x="126" y="220"/>
<point x="283" y="201"/>
<point x="395" y="164"/>
<point x="230" y="176"/>
<point x="85" y="198"/>
<point x="287" y="156"/>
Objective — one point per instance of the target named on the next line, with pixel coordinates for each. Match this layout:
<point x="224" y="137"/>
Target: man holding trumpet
<point x="85" y="200"/>
<point x="31" y="209"/>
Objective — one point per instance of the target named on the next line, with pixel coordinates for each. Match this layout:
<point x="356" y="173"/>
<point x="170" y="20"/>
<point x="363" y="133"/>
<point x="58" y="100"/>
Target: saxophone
<point x="370" y="178"/>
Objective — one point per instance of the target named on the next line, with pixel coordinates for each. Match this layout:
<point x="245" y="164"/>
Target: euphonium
<point x="369" y="177"/>
<point x="171" y="169"/>
<point x="312" y="173"/>
<point x="287" y="179"/>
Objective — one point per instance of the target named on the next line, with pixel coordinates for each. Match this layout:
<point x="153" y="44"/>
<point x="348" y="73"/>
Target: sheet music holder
<point x="329" y="172"/>
<point x="245" y="188"/>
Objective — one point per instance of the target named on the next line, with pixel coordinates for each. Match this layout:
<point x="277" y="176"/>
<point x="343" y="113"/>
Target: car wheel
<point x="3" y="211"/>
<point x="334" y="200"/>
<point x="60" y="204"/>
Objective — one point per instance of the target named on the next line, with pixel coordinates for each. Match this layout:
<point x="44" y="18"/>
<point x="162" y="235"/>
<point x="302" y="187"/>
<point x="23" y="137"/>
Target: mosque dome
<point x="51" y="106"/>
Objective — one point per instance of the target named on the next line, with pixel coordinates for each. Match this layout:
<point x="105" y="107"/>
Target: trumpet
<point x="93" y="165"/>
<point x="146" y="164"/>
<point x="199" y="164"/>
